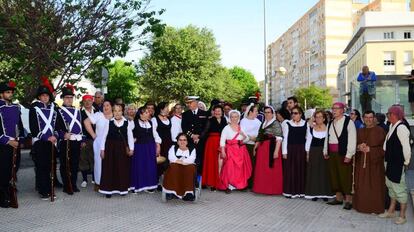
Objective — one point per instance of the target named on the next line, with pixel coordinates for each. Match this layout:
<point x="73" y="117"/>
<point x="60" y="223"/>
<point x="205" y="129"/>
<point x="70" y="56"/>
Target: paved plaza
<point x="216" y="211"/>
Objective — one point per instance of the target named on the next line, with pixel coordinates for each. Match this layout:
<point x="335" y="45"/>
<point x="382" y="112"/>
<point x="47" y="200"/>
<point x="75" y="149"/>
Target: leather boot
<point x="4" y="199"/>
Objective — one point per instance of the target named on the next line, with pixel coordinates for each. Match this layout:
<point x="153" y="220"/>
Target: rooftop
<point x="378" y="19"/>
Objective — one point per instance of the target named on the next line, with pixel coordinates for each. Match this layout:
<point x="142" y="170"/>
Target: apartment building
<point x="311" y="50"/>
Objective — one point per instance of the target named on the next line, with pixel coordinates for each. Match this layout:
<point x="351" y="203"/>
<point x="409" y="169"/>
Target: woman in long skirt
<point x="294" y="155"/>
<point x="180" y="175"/>
<point x="268" y="176"/>
<point x="251" y="125"/>
<point x="215" y="126"/>
<point x="116" y="148"/>
<point x="162" y="124"/>
<point x="147" y="147"/>
<point x="237" y="167"/>
<point x="317" y="179"/>
<point x="100" y="120"/>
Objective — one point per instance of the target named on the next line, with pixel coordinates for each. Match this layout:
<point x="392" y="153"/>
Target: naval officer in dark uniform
<point x="193" y="123"/>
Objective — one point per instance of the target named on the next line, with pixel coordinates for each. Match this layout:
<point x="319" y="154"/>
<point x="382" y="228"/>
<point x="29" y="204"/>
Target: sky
<point x="237" y="25"/>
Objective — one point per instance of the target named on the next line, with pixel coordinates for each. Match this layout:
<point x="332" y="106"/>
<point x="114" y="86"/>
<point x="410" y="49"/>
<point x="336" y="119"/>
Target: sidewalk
<point x="216" y="211"/>
<point x="410" y="184"/>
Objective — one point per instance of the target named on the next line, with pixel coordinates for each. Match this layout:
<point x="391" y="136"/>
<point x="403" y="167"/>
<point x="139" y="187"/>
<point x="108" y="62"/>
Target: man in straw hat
<point x="339" y="148"/>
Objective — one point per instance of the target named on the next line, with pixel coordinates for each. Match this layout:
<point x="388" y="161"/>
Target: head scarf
<point x="340" y="104"/>
<point x="397" y="111"/>
<point x="266" y="123"/>
<point x="86" y="97"/>
<point x="202" y="103"/>
<point x="234" y="112"/>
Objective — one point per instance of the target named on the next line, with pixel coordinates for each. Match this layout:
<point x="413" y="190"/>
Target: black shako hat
<point x="6" y="86"/>
<point x="68" y="90"/>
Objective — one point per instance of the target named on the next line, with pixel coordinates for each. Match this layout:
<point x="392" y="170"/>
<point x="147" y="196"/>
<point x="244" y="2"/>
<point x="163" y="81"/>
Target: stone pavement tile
<point x="216" y="211"/>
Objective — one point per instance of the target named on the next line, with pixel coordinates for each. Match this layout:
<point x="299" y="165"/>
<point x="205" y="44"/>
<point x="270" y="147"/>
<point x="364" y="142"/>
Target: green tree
<point x="315" y="97"/>
<point x="62" y="38"/>
<point x="184" y="62"/>
<point x="246" y="80"/>
<point x="123" y="81"/>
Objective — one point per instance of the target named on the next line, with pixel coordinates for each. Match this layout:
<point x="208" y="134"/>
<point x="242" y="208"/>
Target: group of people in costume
<point x="267" y="151"/>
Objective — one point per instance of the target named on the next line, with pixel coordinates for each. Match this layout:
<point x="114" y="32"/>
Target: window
<point x="389" y="62"/>
<point x="407" y="35"/>
<point x="408" y="57"/>
<point x="389" y="35"/>
<point x="389" y="59"/>
<point x="408" y="61"/>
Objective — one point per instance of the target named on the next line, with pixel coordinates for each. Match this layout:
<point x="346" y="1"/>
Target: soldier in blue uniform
<point x="11" y="128"/>
<point x="42" y="120"/>
<point x="69" y="128"/>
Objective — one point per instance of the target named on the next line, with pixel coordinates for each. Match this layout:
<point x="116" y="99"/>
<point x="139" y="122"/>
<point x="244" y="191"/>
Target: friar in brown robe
<point x="369" y="186"/>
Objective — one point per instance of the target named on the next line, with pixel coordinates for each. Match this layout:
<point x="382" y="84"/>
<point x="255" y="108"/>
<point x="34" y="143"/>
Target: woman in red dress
<point x="268" y="175"/>
<point x="237" y="167"/>
<point x="213" y="131"/>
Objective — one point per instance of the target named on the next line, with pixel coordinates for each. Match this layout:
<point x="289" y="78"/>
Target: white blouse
<point x="316" y="134"/>
<point x="228" y="134"/>
<point x="175" y="127"/>
<point x="101" y="123"/>
<point x="186" y="157"/>
<point x="285" y="128"/>
<point x="119" y="124"/>
<point x="250" y="127"/>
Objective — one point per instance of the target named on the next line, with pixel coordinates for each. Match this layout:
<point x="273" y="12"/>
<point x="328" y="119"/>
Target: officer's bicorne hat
<point x="189" y="99"/>
<point x="253" y="99"/>
<point x="6" y="86"/>
<point x="68" y="90"/>
<point x="45" y="87"/>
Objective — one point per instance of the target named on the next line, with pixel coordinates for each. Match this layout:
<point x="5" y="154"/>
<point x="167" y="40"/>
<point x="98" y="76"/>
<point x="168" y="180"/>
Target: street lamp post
<point x="266" y="84"/>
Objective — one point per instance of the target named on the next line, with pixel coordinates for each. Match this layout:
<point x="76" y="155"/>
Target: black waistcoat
<point x="143" y="135"/>
<point x="343" y="138"/>
<point x="297" y="135"/>
<point x="118" y="133"/>
<point x="316" y="142"/>
<point x="394" y="157"/>
<point x="164" y="131"/>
